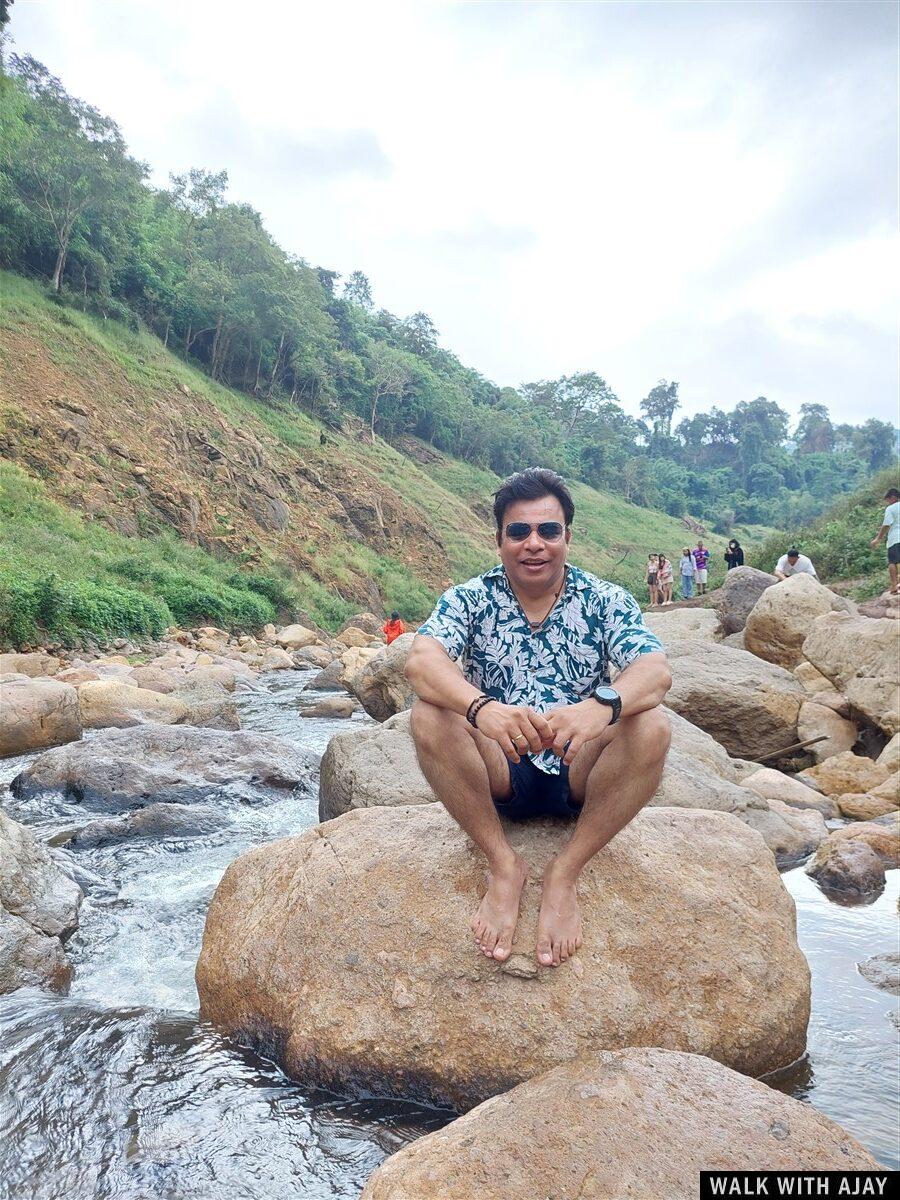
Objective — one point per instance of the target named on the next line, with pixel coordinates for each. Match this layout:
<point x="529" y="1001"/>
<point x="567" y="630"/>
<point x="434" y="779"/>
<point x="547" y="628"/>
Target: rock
<point x="154" y="679"/>
<point x="890" y="755"/>
<point x="336" y="707"/>
<point x="700" y="624"/>
<point x="207" y="701"/>
<point x="633" y="1123"/>
<point x="347" y="953"/>
<point x="781" y="618"/>
<point x="76" y="676"/>
<point x="161" y="822"/>
<point x="831" y="699"/>
<point x="749" y="706"/>
<point x="38" y="908"/>
<point x="314" y="656"/>
<point x="813" y="680"/>
<point x="739" y="592"/>
<point x="352" y="662"/>
<point x="35" y="713"/>
<point x="122" y="768"/>
<point x="370" y="625"/>
<point x="328" y="680"/>
<point x="846" y="772"/>
<point x="889" y="790"/>
<point x="858" y="807"/>
<point x="861" y="657"/>
<point x="847" y="867"/>
<point x="883" y="970"/>
<point x="816" y="720"/>
<point x="806" y="831"/>
<point x="885" y="605"/>
<point x="370" y="768"/>
<point x="295" y="637"/>
<point x="276" y="659"/>
<point x="113" y="703"/>
<point x="31" y="665"/>
<point x="734" y="639"/>
<point x="381" y="686"/>
<point x="269" y="634"/>
<point x="776" y="786"/>
<point x="884" y="839"/>
<point x="353" y="637"/>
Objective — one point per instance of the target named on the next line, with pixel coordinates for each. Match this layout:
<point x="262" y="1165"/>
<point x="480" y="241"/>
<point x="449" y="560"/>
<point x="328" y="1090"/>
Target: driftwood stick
<point x="823" y="737"/>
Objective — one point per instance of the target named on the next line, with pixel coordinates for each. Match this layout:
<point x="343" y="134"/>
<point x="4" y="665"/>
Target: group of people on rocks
<point x="693" y="570"/>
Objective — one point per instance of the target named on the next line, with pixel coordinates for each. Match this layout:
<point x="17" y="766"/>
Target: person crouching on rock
<point x="531" y="727"/>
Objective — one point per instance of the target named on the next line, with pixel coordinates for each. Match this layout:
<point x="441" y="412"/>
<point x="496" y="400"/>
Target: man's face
<point x="534" y="564"/>
<point x="699" y="545"/>
<point x="793" y="559"/>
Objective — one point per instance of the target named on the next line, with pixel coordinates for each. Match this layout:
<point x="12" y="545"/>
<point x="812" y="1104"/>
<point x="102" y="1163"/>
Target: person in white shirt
<point x="794" y="563"/>
<point x="890" y="529"/>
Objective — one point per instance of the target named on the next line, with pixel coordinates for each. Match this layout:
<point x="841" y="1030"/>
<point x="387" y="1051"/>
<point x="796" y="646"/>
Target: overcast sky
<point x="704" y="192"/>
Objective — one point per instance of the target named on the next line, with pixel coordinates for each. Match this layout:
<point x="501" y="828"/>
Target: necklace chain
<point x="534" y="626"/>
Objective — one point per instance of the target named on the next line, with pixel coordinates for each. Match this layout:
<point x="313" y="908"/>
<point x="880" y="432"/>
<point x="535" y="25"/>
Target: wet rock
<point x="401" y="1008"/>
<point x="735" y="599"/>
<point x="634" y="1123"/>
<point x="336" y="707"/>
<point x="295" y="637"/>
<point x="776" y="786"/>
<point x="861" y="657"/>
<point x="32" y="665"/>
<point x="381" y="686"/>
<point x="276" y="659"/>
<point x="881" y="834"/>
<point x="846" y="866"/>
<point x="781" y="618"/>
<point x="820" y="720"/>
<point x="883" y="970"/>
<point x="328" y="680"/>
<point x="160" y="822"/>
<point x="314" y="656"/>
<point x="845" y="773"/>
<point x="38" y="908"/>
<point x="748" y="705"/>
<point x="35" y="713"/>
<point x="123" y="768"/>
<point x="371" y="768"/>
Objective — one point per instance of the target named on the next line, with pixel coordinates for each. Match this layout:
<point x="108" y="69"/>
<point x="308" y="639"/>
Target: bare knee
<point x="652" y="734"/>
<point x="430" y="725"/>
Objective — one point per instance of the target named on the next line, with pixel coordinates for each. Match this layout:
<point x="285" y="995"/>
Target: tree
<point x="391" y="376"/>
<point x="814" y="433"/>
<point x="659" y="408"/>
<point x="358" y="290"/>
<point x="876" y="443"/>
<point x="421" y="335"/>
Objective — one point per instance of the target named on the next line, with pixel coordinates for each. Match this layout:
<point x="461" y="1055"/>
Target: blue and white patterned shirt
<point x="595" y="623"/>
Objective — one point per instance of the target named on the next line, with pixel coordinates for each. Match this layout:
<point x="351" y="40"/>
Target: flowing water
<point x="118" y="1092"/>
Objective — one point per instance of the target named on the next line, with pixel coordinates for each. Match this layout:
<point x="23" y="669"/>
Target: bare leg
<point x="894" y="573"/>
<point x="615" y="776"/>
<point x="466" y="772"/>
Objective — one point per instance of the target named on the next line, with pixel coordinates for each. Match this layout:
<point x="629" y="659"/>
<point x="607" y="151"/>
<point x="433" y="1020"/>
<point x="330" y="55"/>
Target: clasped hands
<point x="520" y="730"/>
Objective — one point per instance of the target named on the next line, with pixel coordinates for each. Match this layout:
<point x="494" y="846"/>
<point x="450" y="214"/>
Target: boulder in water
<point x="113" y="703"/>
<point x="346" y="953"/>
<point x="883" y="970"/>
<point x="35" y="713"/>
<point x="847" y="866"/>
<point x="295" y="637"/>
<point x="338" y="708"/>
<point x="372" y="768"/>
<point x="630" y="1123"/>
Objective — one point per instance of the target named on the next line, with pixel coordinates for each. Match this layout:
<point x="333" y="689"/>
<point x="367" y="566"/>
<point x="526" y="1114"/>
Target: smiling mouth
<point x="534" y="562"/>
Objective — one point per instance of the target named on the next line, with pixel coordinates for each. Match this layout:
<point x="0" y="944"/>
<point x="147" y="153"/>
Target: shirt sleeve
<point x="627" y="637"/>
<point x="782" y="563"/>
<point x="449" y="623"/>
<point x="888" y="517"/>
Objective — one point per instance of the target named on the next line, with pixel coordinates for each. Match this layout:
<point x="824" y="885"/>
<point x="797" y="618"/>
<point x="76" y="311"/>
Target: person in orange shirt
<point x="393" y="628"/>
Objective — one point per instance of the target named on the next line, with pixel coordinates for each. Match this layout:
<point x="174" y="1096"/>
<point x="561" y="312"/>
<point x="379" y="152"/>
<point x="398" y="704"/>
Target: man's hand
<point x="875" y="540"/>
<point x="516" y="729"/>
<point x="576" y="724"/>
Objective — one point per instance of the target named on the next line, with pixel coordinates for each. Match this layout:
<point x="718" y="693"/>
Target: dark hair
<point x="531" y="484"/>
<point x="735" y="542"/>
<point x="892" y="494"/>
<point x="793" y="552"/>
<point x="395" y="616"/>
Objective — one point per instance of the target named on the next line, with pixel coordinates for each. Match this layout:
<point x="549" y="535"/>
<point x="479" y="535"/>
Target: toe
<point x="556" y="954"/>
<point x="504" y="946"/>
<point x="545" y="952"/>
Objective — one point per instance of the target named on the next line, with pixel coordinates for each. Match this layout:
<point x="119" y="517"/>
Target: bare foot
<point x="494" y="925"/>
<point x="559" y="923"/>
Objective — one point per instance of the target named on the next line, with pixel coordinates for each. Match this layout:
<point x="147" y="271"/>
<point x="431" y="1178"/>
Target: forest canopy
<point x="202" y="272"/>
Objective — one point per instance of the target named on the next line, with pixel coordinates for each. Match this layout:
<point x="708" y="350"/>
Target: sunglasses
<point x="547" y="531"/>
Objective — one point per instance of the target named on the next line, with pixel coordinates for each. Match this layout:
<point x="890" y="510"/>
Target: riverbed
<point x="118" y="1091"/>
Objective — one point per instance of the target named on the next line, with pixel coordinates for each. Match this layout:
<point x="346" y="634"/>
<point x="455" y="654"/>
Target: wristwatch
<point x="611" y="698"/>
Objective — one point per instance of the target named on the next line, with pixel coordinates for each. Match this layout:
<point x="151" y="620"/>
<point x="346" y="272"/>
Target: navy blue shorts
<point x="537" y="794"/>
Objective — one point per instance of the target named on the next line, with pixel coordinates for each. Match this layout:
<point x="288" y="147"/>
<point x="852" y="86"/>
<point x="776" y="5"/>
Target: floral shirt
<point x="593" y="624"/>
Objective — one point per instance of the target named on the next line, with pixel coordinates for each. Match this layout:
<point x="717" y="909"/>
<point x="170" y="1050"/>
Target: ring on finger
<point x="519" y="738"/>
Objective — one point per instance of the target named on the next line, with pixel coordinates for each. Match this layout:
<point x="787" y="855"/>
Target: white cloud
<point x="702" y="191"/>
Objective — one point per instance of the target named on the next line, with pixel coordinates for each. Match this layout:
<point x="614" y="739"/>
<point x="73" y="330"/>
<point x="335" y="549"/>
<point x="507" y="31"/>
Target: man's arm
<point x="880" y="535"/>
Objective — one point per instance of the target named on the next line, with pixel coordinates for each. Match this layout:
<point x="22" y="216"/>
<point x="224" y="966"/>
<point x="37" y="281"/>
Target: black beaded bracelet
<point x="475" y="708"/>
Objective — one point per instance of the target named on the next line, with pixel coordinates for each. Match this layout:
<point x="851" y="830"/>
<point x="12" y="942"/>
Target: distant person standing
<point x="651" y="578"/>
<point x="665" y="580"/>
<point x="701" y="569"/>
<point x="890" y="529"/>
<point x="794" y="563"/>
<point x="734" y="554"/>
<point x="688" y="567"/>
<point x="393" y="628"/>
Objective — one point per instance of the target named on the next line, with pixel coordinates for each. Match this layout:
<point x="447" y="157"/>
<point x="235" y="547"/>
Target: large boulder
<point x="847" y="772"/>
<point x="123" y="768"/>
<point x="821" y="721"/>
<point x="860" y="807"/>
<point x="314" y="656"/>
<point x="861" y="657"/>
<point x="370" y="625"/>
<point x="295" y="637"/>
<point x="329" y="679"/>
<point x="890" y="755"/>
<point x="734" y="600"/>
<point x="207" y="701"/>
<point x="882" y="834"/>
<point x="370" y="768"/>
<point x="701" y="624"/>
<point x="114" y="703"/>
<point x="154" y="679"/>
<point x="748" y="705"/>
<point x="346" y="952"/>
<point x="781" y="618"/>
<point x="847" y="866"/>
<point x="35" y="713"/>
<point x="337" y="708"/>
<point x="351" y="636"/>
<point x="353" y="660"/>
<point x="381" y="686"/>
<point x="633" y="1123"/>
<point x="276" y="659"/>
<point x="32" y="665"/>
<point x="38" y="908"/>
<point x="773" y="785"/>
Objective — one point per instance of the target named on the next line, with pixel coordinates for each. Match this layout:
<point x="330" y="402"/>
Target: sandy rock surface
<point x="32" y="665"/>
<point x="735" y="599"/>
<point x="630" y="1124"/>
<point x="776" y="786"/>
<point x="859" y="807"/>
<point x="380" y="685"/>
<point x="820" y="720"/>
<point x="890" y="755"/>
<point x="700" y="624"/>
<point x="372" y="767"/>
<point x="846" y="772"/>
<point x="295" y="637"/>
<point x="115" y="703"/>
<point x="407" y="1005"/>
<point x="35" y="713"/>
<point x="861" y="656"/>
<point x="781" y="618"/>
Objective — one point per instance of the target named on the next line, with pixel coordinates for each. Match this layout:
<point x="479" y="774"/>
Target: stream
<point x="118" y="1092"/>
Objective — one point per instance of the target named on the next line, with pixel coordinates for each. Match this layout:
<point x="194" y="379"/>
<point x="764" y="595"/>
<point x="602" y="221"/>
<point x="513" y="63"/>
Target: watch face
<point x="606" y="693"/>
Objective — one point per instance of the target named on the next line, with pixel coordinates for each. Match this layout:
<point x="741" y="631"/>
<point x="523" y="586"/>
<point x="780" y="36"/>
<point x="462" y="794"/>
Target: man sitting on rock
<point x="532" y="727"/>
